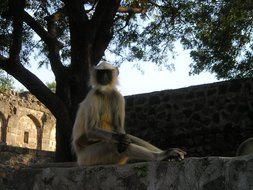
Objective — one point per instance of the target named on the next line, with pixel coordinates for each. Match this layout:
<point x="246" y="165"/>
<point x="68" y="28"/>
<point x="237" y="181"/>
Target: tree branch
<point x="44" y="35"/>
<point x="102" y="23"/>
<point x="16" y="8"/>
<point x="49" y="37"/>
<point x="36" y="87"/>
<point x="76" y="12"/>
<point x="59" y="14"/>
<point x="79" y="35"/>
<point x="131" y="10"/>
<point x="54" y="56"/>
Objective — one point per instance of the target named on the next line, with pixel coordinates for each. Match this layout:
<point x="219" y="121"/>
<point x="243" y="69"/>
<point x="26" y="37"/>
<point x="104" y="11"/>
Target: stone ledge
<point x="24" y="150"/>
<point x="208" y="173"/>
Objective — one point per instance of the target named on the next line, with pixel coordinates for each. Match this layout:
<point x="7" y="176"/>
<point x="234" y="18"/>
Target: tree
<point x="72" y="36"/>
<point x="221" y="38"/>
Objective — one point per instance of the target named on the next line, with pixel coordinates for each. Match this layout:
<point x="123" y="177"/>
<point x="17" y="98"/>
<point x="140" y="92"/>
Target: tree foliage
<point x="218" y="33"/>
<point x="221" y="38"/>
<point x="6" y="82"/>
<point x="51" y="86"/>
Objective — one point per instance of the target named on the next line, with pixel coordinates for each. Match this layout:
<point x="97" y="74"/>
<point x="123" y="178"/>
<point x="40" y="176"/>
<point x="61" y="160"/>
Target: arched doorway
<point x="25" y="134"/>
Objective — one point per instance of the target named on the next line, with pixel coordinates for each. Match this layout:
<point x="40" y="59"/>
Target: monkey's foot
<point x="175" y="154"/>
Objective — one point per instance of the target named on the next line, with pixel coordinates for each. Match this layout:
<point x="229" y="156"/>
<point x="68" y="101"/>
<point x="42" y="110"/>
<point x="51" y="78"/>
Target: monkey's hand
<point x="175" y="154"/>
<point x="122" y="141"/>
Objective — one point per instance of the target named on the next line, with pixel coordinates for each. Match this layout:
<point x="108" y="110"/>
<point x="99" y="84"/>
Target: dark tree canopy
<point x="219" y="34"/>
<point x="221" y="38"/>
<point x="72" y="35"/>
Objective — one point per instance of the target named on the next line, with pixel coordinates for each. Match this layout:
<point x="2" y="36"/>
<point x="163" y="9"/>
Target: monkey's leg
<point x="106" y="153"/>
<point x="143" y="143"/>
<point x="171" y="153"/>
<point x="141" y="153"/>
<point x="100" y="153"/>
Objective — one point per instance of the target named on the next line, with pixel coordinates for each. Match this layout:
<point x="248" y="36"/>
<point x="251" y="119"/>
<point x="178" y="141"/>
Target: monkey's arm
<point x="96" y="133"/>
<point x="118" y="121"/>
<point x="121" y="140"/>
<point x="93" y="130"/>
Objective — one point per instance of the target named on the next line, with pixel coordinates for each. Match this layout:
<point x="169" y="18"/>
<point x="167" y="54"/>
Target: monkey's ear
<point x="117" y="70"/>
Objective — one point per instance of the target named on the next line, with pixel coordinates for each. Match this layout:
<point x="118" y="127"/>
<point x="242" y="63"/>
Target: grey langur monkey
<point x="99" y="135"/>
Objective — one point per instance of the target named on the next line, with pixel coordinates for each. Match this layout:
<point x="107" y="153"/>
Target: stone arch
<point x="27" y="133"/>
<point x="39" y="130"/>
<point x="3" y="127"/>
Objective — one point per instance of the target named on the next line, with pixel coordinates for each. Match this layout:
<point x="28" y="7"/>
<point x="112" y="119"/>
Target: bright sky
<point x="133" y="81"/>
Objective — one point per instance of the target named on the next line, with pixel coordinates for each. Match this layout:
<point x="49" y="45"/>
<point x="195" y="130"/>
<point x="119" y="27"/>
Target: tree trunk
<point x="72" y="87"/>
<point x="64" y="129"/>
<point x="63" y="138"/>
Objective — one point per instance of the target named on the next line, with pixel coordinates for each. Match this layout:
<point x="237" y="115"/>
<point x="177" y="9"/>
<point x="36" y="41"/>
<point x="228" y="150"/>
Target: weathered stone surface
<point x="218" y="113"/>
<point x="210" y="173"/>
<point x="17" y="156"/>
<point x="14" y="158"/>
<point x="25" y="122"/>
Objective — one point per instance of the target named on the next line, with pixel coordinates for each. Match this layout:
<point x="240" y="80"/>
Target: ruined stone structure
<point x="25" y="122"/>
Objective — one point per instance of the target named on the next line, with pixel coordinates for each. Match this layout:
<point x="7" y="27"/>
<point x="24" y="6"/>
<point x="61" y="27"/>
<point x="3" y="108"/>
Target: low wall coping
<point x="206" y="173"/>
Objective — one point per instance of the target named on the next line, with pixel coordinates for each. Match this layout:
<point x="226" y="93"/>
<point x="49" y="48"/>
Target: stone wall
<point x="15" y="157"/>
<point x="25" y="122"/>
<point x="214" y="173"/>
<point x="205" y="120"/>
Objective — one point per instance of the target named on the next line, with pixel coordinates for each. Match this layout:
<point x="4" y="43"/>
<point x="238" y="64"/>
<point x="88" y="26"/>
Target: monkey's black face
<point x="104" y="77"/>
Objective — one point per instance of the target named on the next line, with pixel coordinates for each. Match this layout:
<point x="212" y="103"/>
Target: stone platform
<point x="208" y="173"/>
